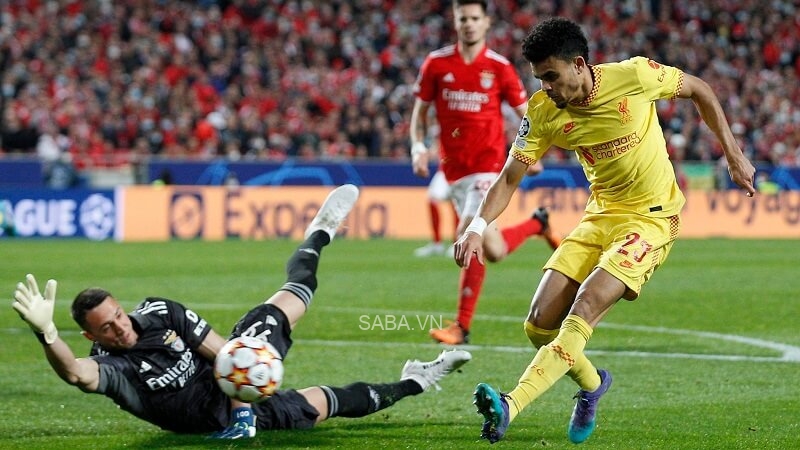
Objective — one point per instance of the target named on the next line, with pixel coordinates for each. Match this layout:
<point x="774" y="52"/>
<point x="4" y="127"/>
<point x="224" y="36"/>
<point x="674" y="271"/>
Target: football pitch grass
<point x="707" y="358"/>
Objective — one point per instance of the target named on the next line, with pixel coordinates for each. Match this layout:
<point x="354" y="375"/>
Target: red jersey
<point x="468" y="99"/>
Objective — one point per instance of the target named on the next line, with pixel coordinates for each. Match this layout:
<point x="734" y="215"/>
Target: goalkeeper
<point x="157" y="362"/>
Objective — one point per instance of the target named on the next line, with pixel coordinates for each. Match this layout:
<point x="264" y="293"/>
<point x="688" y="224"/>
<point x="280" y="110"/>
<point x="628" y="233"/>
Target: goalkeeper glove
<point x="37" y="310"/>
<point x="242" y="425"/>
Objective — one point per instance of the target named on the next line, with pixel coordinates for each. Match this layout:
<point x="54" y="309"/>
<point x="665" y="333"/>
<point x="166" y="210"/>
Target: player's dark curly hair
<point x="85" y="301"/>
<point x="557" y="37"/>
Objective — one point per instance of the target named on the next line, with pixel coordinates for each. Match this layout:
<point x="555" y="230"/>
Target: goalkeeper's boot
<point x="493" y="406"/>
<point x="582" y="422"/>
<point x="334" y="210"/>
<point x="242" y="425"/>
<point x="429" y="373"/>
<point x="452" y="334"/>
<point x="543" y="216"/>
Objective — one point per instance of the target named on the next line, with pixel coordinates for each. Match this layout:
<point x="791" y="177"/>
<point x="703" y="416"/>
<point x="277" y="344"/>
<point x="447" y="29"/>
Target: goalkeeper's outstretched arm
<point x="37" y="310"/>
<point x="83" y="373"/>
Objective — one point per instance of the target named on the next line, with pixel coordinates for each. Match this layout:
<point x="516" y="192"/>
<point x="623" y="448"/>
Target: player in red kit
<point x="467" y="83"/>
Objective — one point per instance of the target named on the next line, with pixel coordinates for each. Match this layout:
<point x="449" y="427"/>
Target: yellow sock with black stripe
<point x="584" y="373"/>
<point x="551" y="362"/>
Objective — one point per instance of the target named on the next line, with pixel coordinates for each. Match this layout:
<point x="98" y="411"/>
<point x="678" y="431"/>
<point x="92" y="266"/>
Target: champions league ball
<point x="248" y="369"/>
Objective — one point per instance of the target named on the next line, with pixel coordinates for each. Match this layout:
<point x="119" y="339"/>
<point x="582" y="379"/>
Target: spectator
<point x="16" y="135"/>
<point x="293" y="73"/>
<point x="61" y="174"/>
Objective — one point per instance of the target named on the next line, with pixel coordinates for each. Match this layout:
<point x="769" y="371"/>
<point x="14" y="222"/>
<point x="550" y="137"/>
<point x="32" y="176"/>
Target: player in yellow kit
<point x="606" y="113"/>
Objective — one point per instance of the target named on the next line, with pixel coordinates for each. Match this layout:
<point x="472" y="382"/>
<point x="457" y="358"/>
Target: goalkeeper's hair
<point x="85" y="301"/>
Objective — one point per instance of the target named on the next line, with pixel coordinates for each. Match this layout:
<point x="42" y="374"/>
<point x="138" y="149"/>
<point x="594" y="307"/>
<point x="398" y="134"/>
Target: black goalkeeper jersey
<point x="163" y="379"/>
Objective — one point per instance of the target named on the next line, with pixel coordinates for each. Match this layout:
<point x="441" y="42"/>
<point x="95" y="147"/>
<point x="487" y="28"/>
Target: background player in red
<point x="467" y="84"/>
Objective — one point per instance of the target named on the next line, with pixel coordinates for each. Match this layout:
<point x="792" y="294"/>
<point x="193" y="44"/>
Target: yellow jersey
<point x="616" y="135"/>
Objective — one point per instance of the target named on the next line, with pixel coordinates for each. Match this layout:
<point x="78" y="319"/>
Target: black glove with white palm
<point x="36" y="309"/>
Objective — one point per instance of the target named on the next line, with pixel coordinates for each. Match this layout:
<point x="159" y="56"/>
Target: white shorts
<point x="439" y="188"/>
<point x="468" y="192"/>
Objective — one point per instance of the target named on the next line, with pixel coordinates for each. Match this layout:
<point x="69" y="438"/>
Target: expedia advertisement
<point x="157" y="213"/>
<point x="196" y="212"/>
<point x="213" y="213"/>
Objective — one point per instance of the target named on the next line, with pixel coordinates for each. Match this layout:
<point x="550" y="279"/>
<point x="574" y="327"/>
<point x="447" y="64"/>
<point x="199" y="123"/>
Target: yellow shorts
<point x="628" y="246"/>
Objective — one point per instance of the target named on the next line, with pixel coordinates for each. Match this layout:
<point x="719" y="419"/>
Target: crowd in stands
<point x="110" y="82"/>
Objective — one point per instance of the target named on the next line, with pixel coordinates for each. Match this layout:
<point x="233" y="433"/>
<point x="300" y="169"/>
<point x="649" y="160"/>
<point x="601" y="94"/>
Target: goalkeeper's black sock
<point x="301" y="269"/>
<point x="361" y="399"/>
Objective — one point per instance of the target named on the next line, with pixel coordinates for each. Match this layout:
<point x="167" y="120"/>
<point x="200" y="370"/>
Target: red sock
<point x="469" y="286"/>
<point x="517" y="234"/>
<point x="435" y="221"/>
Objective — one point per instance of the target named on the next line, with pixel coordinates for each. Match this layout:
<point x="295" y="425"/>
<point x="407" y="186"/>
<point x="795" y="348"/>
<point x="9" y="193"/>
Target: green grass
<point x="682" y="390"/>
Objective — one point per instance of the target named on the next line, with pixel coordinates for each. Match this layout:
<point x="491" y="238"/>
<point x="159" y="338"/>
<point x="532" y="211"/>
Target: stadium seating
<point x="114" y="83"/>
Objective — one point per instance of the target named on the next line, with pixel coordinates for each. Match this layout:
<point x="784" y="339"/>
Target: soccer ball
<point x="248" y="369"/>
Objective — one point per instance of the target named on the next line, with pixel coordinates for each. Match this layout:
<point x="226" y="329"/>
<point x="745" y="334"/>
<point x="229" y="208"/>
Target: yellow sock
<point x="584" y="373"/>
<point x="551" y="362"/>
<point x="539" y="336"/>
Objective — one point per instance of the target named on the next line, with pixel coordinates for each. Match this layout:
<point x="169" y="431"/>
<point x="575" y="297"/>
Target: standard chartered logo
<point x="97" y="217"/>
<point x="612" y="148"/>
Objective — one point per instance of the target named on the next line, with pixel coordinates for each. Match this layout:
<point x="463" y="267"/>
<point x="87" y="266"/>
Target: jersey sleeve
<point x="192" y="328"/>
<point x="114" y="383"/>
<point x="425" y="86"/>
<point x="514" y="92"/>
<point x="658" y="81"/>
<point x="533" y="139"/>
